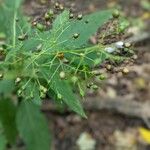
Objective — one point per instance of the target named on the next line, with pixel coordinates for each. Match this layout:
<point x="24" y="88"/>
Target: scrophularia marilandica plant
<point x="37" y="63"/>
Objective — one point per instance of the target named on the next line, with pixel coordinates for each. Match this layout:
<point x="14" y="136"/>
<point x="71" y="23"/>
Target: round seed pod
<point x="50" y="12"/>
<point x="34" y="23"/>
<point x="43" y="89"/>
<point x="80" y="16"/>
<point x="96" y="72"/>
<point x="76" y="35"/>
<point x="71" y="15"/>
<point x="42" y="95"/>
<point x="60" y="55"/>
<point x="18" y="80"/>
<point x="59" y="96"/>
<point x="74" y="79"/>
<point x="57" y="5"/>
<point x="116" y="14"/>
<point x="1" y="76"/>
<point x="22" y="37"/>
<point x="19" y="93"/>
<point x="82" y="54"/>
<point x="66" y="61"/>
<point x="62" y="75"/>
<point x="94" y="87"/>
<point x="40" y="26"/>
<point x="102" y="77"/>
<point x="109" y="67"/>
<point x="47" y="16"/>
<point x="125" y="71"/>
<point x="90" y="84"/>
<point x="61" y="7"/>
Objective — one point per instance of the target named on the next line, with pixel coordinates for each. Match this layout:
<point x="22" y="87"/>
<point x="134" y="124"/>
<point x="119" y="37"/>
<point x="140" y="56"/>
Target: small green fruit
<point x="59" y="96"/>
<point x="94" y="87"/>
<point x="90" y="84"/>
<point x="47" y="16"/>
<point x="42" y="95"/>
<point x="50" y="12"/>
<point x="40" y="26"/>
<point x="22" y="37"/>
<point x="80" y="16"/>
<point x="74" y="79"/>
<point x="62" y="75"/>
<point x="76" y="35"/>
<point x="71" y="15"/>
<point x="19" y="93"/>
<point x="43" y="89"/>
<point x="116" y="14"/>
<point x="18" y="80"/>
<point x="1" y="76"/>
<point x="102" y="77"/>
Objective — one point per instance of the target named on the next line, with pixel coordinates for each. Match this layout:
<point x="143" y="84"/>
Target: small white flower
<point x="110" y="49"/>
<point x="119" y="44"/>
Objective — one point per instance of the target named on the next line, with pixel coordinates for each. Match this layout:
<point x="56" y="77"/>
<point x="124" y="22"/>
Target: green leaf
<point x="64" y="29"/>
<point x="7" y="117"/>
<point x="3" y="140"/>
<point x="10" y="12"/>
<point x="6" y="86"/>
<point x="63" y="88"/>
<point x="32" y="126"/>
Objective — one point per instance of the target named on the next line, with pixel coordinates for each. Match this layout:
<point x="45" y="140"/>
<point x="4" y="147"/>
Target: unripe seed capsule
<point x="19" y="93"/>
<point x="59" y="96"/>
<point x="18" y="80"/>
<point x="71" y="16"/>
<point x="116" y="14"/>
<point x="108" y="67"/>
<point x="42" y="95"/>
<point x="40" y="27"/>
<point x="94" y="87"/>
<point x="80" y="16"/>
<point x="50" y="12"/>
<point x="46" y="16"/>
<point x="61" y="7"/>
<point x="66" y="61"/>
<point x="22" y="37"/>
<point x="1" y="75"/>
<point x="62" y="75"/>
<point x="76" y="35"/>
<point x="102" y="77"/>
<point x="82" y="54"/>
<point x="74" y="79"/>
<point x="125" y="71"/>
<point x="57" y="5"/>
<point x="43" y="89"/>
<point x="60" y="55"/>
<point x="90" y="84"/>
